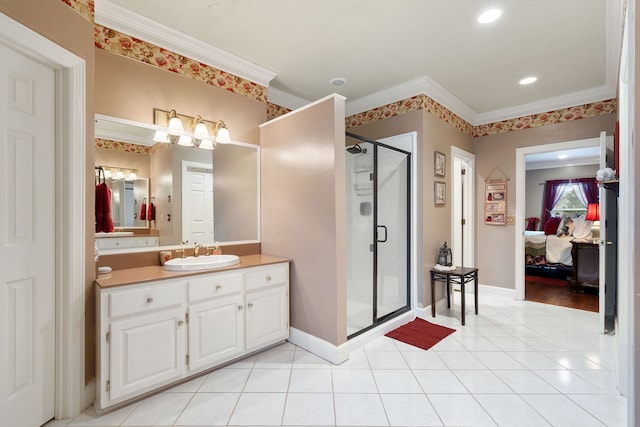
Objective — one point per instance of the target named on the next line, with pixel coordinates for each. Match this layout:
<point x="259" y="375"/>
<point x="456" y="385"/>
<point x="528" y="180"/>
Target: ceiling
<point x="390" y="50"/>
<point x="563" y="158"/>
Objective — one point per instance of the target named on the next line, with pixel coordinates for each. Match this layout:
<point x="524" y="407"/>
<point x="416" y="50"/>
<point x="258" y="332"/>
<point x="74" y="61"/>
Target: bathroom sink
<point x="203" y="262"/>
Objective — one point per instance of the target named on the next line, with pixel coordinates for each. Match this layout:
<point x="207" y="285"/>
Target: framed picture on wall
<point x="439" y="164"/>
<point x="439" y="193"/>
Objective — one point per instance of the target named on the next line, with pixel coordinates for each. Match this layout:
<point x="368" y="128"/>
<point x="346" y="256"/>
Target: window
<point x="569" y="203"/>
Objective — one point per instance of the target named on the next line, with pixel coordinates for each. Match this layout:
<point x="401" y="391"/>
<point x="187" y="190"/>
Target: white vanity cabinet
<point x="155" y="333"/>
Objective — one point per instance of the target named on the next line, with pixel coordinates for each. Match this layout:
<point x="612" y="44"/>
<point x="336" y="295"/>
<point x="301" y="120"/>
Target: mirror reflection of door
<point x="197" y="203"/>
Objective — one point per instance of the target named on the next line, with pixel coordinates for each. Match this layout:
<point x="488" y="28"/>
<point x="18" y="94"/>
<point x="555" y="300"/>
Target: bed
<point x="548" y="253"/>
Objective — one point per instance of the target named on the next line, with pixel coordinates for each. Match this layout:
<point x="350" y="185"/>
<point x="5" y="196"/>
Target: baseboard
<point x="338" y="354"/>
<point x="496" y="291"/>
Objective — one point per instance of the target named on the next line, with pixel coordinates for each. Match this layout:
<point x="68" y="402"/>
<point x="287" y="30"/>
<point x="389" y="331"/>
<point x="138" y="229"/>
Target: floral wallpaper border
<point x="83" y="7"/>
<point x="148" y="53"/>
<point x="130" y="148"/>
<point x="122" y="44"/>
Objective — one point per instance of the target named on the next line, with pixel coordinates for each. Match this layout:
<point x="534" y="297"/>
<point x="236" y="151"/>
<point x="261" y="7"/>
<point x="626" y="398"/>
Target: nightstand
<point x="586" y="267"/>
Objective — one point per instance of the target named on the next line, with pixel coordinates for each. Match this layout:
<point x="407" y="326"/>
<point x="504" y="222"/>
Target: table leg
<point x="448" y="292"/>
<point x="433" y="297"/>
<point x="475" y="290"/>
<point x="462" y="297"/>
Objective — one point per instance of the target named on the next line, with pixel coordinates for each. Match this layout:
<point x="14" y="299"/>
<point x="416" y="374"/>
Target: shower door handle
<point x="384" y="227"/>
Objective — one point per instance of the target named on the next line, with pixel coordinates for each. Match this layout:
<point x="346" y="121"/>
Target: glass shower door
<point x="378" y="188"/>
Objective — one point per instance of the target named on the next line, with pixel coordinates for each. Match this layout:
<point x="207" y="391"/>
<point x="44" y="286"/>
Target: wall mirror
<point x="199" y="195"/>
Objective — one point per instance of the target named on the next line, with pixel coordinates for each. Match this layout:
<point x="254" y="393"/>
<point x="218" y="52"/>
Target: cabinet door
<point x="216" y="331"/>
<point x="147" y="351"/>
<point x="267" y="317"/>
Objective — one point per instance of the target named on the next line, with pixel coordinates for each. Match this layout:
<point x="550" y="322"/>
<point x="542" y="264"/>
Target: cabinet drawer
<point x="116" y="243"/>
<point x="214" y="285"/>
<point x="262" y="277"/>
<point x="146" y="241"/>
<point x="147" y="298"/>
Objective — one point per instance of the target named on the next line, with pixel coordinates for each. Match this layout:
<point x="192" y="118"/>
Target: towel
<point x="104" y="221"/>
<point x="151" y="213"/>
<point x="143" y="211"/>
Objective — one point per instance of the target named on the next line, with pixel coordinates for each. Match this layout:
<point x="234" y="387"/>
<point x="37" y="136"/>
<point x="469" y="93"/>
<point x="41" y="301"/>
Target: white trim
<point x="338" y="354"/>
<point x="496" y="291"/>
<point x="285" y="99"/>
<point x="470" y="158"/>
<point x="334" y="96"/>
<point x="521" y="202"/>
<point x="123" y="20"/>
<point x="70" y="210"/>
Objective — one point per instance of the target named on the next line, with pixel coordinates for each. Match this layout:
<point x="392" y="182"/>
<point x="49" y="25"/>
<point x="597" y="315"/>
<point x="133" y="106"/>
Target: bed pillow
<point x="551" y="226"/>
<point x="566" y="227"/>
<point x="582" y="229"/>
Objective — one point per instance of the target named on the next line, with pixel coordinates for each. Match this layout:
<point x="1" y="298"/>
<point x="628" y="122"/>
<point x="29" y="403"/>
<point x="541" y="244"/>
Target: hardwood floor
<point x="557" y="292"/>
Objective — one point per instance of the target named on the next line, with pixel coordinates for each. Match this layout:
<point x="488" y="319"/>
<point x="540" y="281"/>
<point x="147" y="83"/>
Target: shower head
<point x="354" y="149"/>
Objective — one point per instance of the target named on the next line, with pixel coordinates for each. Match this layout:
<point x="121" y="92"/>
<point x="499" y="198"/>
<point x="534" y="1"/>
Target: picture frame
<point x="439" y="193"/>
<point x="439" y="164"/>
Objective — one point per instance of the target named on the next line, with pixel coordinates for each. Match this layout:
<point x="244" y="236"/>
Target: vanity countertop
<point x="156" y="272"/>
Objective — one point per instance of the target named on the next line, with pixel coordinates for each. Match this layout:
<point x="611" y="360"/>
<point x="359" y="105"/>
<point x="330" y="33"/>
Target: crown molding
<point x="423" y="85"/>
<point x="285" y="99"/>
<point x="120" y="19"/>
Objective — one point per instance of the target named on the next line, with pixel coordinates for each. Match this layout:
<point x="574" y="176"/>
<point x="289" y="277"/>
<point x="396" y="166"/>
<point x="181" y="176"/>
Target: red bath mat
<point x="420" y="333"/>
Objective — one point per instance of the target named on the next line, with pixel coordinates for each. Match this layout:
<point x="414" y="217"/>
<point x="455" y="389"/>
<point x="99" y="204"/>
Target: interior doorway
<point x="462" y="210"/>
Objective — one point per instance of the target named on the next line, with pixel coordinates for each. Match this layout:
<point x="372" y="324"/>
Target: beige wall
<point x="131" y="90"/>
<point x="495" y="244"/>
<point x="304" y="214"/>
<point x="535" y="179"/>
<point x="59" y="23"/>
<point x="434" y="223"/>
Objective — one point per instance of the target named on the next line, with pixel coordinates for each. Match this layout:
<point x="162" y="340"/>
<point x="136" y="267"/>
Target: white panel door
<point x="147" y="351"/>
<point x="197" y="203"/>
<point x="216" y="331"/>
<point x="27" y="230"/>
<point x="267" y="317"/>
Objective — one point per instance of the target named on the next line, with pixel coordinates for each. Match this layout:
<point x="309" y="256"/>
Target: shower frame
<point x="376" y="321"/>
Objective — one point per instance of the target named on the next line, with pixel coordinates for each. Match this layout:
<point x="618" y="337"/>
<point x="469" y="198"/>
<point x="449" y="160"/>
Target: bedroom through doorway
<point x="559" y="187"/>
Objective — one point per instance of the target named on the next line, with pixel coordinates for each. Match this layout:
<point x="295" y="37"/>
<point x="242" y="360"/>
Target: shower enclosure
<point x="378" y="192"/>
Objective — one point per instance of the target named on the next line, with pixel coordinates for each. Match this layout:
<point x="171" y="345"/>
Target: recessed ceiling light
<point x="338" y="81"/>
<point x="528" y="80"/>
<point x="562" y="156"/>
<point x="489" y="16"/>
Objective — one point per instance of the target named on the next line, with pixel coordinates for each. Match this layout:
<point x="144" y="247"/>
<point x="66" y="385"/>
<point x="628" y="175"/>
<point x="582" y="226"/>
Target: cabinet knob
<point x="180" y="322"/>
<point x="268" y="278"/>
<point x="239" y="307"/>
<point x="218" y="287"/>
<point x="149" y="300"/>
<point x="249" y="305"/>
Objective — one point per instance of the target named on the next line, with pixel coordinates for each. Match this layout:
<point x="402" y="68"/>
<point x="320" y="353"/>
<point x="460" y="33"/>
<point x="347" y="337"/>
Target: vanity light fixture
<point x="119" y="173"/>
<point x="189" y="131"/>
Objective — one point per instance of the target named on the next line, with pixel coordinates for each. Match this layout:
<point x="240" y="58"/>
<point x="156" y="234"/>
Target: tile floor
<point x="518" y="363"/>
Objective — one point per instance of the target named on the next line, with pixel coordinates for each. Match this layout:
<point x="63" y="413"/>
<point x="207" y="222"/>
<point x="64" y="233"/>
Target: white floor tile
<point x="354" y="381"/>
<point x="386" y="360"/>
<point x="312" y="409"/>
<point x="477" y="381"/>
<point x="360" y="410"/>
<point x="209" y="409"/>
<point x="259" y="409"/>
<point x="225" y="380"/>
<point x="396" y="381"/>
<point x="609" y="409"/>
<point x="410" y="410"/>
<point x="439" y="381"/>
<point x="268" y="381"/>
<point x="510" y="410"/>
<point x="525" y="381"/>
<point x="517" y="363"/>
<point x="161" y="409"/>
<point x="560" y="411"/>
<point x="311" y="380"/>
<point x="460" y="410"/>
